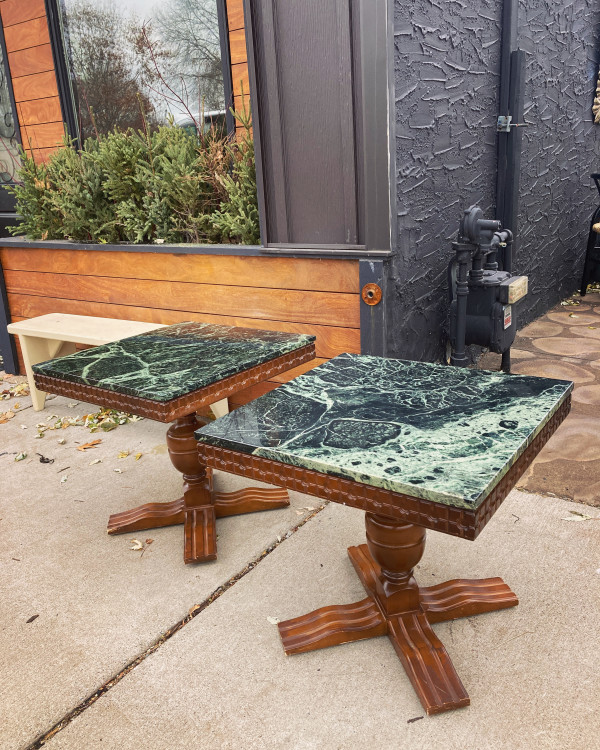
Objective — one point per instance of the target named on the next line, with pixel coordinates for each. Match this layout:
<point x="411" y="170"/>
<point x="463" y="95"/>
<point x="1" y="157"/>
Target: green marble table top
<point x="174" y="361"/>
<point x="439" y="433"/>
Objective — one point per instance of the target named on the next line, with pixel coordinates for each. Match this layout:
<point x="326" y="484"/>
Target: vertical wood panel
<point x="31" y="67"/>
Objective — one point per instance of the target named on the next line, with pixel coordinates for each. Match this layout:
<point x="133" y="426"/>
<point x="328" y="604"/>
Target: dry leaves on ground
<point x="91" y="444"/>
<point x="20" y="389"/>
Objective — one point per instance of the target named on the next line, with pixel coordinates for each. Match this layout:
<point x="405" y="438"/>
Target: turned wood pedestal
<point x="398" y="607"/>
<point x="200" y="506"/>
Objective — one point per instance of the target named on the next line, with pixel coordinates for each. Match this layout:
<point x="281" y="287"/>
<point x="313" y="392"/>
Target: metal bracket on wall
<point x="372" y="307"/>
<point x="505" y="123"/>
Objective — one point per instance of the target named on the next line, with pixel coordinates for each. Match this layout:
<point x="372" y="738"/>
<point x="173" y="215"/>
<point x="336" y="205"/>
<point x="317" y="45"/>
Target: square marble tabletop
<point x="416" y="446"/>
<point x="433" y="432"/>
<point x="167" y="375"/>
<point x="171" y="362"/>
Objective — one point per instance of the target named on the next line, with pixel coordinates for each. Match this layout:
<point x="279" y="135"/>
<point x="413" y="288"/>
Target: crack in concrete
<point x="194" y="611"/>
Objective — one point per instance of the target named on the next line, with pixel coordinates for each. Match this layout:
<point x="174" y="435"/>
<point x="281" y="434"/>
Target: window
<point x="9" y="142"/>
<point x="135" y="63"/>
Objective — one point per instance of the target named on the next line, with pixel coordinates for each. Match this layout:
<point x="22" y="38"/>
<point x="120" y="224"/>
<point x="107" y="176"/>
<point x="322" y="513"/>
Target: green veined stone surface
<point x="170" y="362"/>
<point x="440" y="433"/>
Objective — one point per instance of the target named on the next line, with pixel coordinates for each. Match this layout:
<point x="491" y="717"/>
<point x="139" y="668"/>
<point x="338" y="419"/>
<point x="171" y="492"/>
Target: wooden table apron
<point x="395" y="530"/>
<point x="200" y="505"/>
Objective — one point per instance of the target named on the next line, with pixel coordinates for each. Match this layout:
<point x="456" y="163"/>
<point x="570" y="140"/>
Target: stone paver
<point x="565" y="344"/>
<point x="223" y="682"/>
<point x="98" y="603"/>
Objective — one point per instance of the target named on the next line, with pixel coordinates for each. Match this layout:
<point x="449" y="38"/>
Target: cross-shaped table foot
<point x="200" y="506"/>
<point x="398" y="607"/>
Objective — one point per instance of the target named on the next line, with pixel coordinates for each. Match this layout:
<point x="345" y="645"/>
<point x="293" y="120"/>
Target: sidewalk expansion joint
<point x="193" y="612"/>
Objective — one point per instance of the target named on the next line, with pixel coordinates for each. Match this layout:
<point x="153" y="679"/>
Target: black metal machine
<point x="481" y="295"/>
<point x="591" y="268"/>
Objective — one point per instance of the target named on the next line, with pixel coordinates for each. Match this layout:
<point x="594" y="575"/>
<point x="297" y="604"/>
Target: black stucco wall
<point x="447" y="59"/>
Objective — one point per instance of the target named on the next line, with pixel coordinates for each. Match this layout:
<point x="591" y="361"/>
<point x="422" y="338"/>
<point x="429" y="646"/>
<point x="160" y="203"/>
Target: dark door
<point x="317" y="125"/>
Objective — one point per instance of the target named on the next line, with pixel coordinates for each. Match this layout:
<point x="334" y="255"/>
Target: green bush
<point x="167" y="185"/>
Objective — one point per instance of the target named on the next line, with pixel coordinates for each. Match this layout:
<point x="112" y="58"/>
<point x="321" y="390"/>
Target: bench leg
<point x="36" y="349"/>
<point x="220" y="408"/>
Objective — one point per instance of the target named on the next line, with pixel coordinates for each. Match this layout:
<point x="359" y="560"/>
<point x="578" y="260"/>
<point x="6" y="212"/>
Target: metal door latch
<point x="505" y="123"/>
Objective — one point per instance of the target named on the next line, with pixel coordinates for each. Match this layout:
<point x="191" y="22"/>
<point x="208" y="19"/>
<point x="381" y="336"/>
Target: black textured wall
<point x="447" y="60"/>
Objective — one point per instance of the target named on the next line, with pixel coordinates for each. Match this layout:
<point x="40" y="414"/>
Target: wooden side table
<point x="416" y="446"/>
<point x="167" y="375"/>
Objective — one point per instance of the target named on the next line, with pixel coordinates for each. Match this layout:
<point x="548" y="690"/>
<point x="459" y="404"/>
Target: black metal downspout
<point x="512" y="72"/>
<point x="226" y="64"/>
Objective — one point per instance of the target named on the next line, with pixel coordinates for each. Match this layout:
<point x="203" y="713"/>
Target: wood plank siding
<point x="318" y="296"/>
<point x="238" y="55"/>
<point x="33" y="77"/>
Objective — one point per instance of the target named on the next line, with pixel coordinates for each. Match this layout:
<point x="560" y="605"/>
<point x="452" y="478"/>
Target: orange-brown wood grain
<point x="40" y="86"/>
<point x="42" y="136"/>
<point x="237" y="46"/>
<point x="39" y="111"/>
<point x="324" y="308"/>
<point x="240" y="79"/>
<point x="17" y="11"/>
<point x="27" y="34"/>
<point x="331" y="340"/>
<point x="27" y="62"/>
<point x="41" y="155"/>
<point x="235" y="14"/>
<point x="311" y="274"/>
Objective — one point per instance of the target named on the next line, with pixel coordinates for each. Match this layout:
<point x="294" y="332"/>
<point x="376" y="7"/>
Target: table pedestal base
<point x="200" y="506"/>
<point x="397" y="606"/>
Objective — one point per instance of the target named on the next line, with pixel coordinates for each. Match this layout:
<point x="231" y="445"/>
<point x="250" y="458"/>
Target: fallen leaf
<point x="136" y="545"/>
<point x="72" y="405"/>
<point x="23" y="426"/>
<point x="6" y="416"/>
<point x="96" y="461"/>
<point x="64" y="479"/>
<point x="123" y="454"/>
<point x="576" y="516"/>
<point x="273" y="620"/>
<point x="572" y="315"/>
<point x="62" y="441"/>
<point x="17" y="406"/>
<point x="118" y="471"/>
<point x="138" y="456"/>
<point x="44" y="460"/>
<point x="21" y="457"/>
<point x="149" y="541"/>
<point x="592" y="328"/>
<point x="93" y="444"/>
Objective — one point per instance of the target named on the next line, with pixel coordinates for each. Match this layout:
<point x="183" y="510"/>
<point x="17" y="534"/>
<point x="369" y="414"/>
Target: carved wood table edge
<point x="200" y="505"/>
<point x="395" y="604"/>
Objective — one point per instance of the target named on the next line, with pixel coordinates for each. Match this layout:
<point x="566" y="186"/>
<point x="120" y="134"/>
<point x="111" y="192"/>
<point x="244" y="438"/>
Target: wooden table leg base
<point x="148" y="516"/>
<point x="249" y="500"/>
<point x="200" y="505"/>
<point x="200" y="533"/>
<point x="398" y="607"/>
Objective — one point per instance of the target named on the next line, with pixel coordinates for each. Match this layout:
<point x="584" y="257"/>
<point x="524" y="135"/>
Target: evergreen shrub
<point x="167" y="185"/>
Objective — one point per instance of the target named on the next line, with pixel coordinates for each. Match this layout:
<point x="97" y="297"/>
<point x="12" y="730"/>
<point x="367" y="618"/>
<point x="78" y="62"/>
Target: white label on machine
<point x="517" y="289"/>
<point x="507" y="316"/>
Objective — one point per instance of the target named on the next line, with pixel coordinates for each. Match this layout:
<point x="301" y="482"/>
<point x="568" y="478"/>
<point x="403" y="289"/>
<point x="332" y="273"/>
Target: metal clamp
<point x="505" y="123"/>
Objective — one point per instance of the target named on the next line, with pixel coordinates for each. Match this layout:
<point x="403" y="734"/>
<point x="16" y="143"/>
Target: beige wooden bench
<point x="54" y="335"/>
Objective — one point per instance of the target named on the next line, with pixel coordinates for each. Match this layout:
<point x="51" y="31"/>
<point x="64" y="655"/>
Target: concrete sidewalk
<point x="77" y="607"/>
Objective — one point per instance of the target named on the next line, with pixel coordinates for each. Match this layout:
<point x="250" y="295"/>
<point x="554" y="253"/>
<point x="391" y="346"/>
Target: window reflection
<point x="9" y="144"/>
<point x="141" y="64"/>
